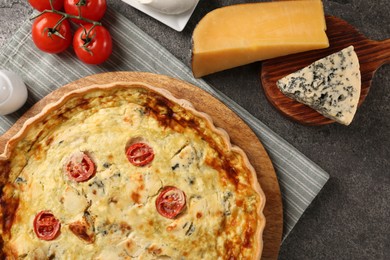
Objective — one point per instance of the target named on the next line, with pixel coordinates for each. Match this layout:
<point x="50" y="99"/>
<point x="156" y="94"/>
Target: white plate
<point x="176" y="21"/>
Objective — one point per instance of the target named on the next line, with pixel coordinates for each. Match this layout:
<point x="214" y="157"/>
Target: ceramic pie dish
<point x="191" y="193"/>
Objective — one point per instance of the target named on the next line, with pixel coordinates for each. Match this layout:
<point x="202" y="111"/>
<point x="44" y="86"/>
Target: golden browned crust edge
<point x="165" y="93"/>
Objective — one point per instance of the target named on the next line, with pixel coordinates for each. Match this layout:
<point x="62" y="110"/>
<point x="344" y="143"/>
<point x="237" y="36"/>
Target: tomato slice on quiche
<point x="126" y="169"/>
<point x="140" y="154"/>
<point x="80" y="167"/>
<point x="171" y="202"/>
<point x="46" y="225"/>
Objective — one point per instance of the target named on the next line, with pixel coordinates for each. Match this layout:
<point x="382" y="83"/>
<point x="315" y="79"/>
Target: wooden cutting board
<point x="371" y="54"/>
<point x="223" y="117"/>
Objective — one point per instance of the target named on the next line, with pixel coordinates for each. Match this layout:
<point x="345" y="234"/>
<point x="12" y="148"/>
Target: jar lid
<point x="5" y="92"/>
<point x="13" y="92"/>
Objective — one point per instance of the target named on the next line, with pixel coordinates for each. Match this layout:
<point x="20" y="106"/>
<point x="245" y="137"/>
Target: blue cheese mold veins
<point x="330" y="85"/>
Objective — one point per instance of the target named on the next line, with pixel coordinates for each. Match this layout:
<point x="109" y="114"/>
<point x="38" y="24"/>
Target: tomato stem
<point x="35" y="17"/>
<point x="81" y="3"/>
<point x="58" y="23"/>
<point x="87" y="39"/>
<point x="90" y="30"/>
<point x="51" y="4"/>
<point x="66" y="16"/>
<point x="79" y="10"/>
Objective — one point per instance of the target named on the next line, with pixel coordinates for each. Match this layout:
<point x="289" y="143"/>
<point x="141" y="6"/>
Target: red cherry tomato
<point x="42" y="5"/>
<point x="46" y="226"/>
<point x="140" y="154"/>
<point x="80" y="167"/>
<point x="92" y="46"/>
<point x="50" y="39"/>
<point x="90" y="9"/>
<point x="170" y="202"/>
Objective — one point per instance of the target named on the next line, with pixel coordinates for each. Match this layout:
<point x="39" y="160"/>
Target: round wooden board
<point x="223" y="117"/>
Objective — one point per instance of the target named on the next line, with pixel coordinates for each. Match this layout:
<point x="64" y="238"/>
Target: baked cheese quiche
<point x="127" y="171"/>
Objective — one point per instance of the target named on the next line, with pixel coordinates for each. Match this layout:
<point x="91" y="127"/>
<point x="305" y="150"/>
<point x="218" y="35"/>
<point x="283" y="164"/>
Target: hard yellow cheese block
<point x="241" y="34"/>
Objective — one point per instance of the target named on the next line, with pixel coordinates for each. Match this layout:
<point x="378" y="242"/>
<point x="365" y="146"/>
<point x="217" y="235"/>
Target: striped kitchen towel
<point x="300" y="179"/>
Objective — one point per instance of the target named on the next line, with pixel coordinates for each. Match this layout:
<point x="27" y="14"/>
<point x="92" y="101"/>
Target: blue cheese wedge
<point x="330" y="85"/>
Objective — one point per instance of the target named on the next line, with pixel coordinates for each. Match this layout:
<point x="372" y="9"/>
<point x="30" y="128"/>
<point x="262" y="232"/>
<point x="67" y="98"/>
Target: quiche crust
<point x="223" y="218"/>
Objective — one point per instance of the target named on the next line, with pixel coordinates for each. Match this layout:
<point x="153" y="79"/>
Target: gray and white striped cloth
<point x="300" y="179"/>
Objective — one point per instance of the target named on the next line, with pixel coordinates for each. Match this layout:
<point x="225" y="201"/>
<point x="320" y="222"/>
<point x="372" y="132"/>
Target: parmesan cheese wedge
<point x="241" y="34"/>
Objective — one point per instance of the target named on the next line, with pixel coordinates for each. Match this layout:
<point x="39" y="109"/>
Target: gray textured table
<point x="350" y="219"/>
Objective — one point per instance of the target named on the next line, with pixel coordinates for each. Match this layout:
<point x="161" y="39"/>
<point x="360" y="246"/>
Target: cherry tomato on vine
<point x="42" y="5"/>
<point x="50" y="37"/>
<point x="92" y="45"/>
<point x="90" y="9"/>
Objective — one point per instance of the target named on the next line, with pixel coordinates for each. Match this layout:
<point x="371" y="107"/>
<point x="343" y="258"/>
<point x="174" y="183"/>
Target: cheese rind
<point x="241" y="34"/>
<point x="330" y="85"/>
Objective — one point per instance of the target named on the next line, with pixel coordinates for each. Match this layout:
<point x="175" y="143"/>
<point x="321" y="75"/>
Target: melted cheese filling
<point x="119" y="201"/>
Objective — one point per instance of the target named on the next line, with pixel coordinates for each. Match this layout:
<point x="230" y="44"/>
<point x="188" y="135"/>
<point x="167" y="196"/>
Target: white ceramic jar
<point x="13" y="92"/>
<point x="170" y="6"/>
